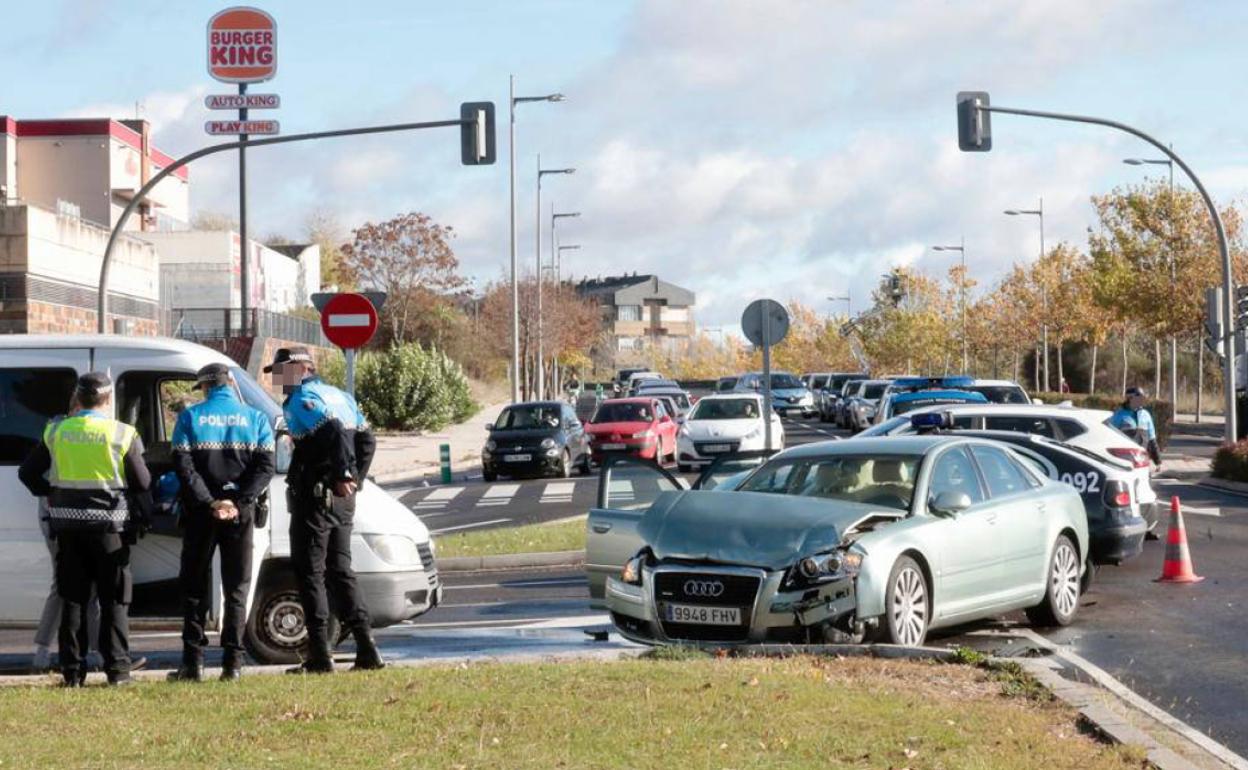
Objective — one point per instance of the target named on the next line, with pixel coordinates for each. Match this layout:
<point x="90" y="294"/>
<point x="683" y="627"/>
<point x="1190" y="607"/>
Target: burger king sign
<point x="242" y="46"/>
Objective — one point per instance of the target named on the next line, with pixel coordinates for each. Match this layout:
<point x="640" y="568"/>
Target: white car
<point x="391" y="550"/>
<point x="1085" y="428"/>
<point x="720" y="424"/>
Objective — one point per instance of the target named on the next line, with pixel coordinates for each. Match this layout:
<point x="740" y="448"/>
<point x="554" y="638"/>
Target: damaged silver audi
<point x="872" y="538"/>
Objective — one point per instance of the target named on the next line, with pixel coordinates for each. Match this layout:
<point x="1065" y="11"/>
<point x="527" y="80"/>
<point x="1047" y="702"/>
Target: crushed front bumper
<point x="815" y="614"/>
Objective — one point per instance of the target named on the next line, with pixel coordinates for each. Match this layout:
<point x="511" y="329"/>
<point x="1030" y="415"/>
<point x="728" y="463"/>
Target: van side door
<point x="35" y="385"/>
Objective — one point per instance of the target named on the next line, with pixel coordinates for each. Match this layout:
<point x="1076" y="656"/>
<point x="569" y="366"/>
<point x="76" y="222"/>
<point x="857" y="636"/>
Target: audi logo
<point x="705" y="588"/>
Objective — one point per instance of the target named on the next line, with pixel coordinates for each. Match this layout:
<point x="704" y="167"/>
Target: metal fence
<point x="199" y="324"/>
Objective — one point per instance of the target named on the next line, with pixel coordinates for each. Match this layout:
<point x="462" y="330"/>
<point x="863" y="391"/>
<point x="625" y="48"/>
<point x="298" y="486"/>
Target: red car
<point x="637" y="426"/>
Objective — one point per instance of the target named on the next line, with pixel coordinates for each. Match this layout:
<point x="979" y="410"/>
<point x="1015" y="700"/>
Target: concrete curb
<point x="1223" y="485"/>
<point x="510" y="561"/>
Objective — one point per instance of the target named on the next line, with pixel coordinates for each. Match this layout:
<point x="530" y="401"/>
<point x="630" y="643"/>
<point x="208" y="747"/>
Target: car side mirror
<point x="489" y="426"/>
<point x="950" y="503"/>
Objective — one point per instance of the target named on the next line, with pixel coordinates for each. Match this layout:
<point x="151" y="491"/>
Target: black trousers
<point x="102" y="560"/>
<point x="202" y="535"/>
<point x="320" y="547"/>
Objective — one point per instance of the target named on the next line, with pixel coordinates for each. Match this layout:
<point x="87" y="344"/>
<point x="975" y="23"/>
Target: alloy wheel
<point x="1064" y="580"/>
<point x="909" y="607"/>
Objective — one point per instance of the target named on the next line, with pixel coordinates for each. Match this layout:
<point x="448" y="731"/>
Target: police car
<point x="391" y="550"/>
<point x="909" y="394"/>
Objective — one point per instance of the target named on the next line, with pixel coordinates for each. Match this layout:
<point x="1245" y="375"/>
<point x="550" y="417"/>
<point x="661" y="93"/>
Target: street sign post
<point x="244" y="127"/>
<point x="765" y="322"/>
<point x="242" y="49"/>
<point x="349" y="321"/>
<point x="242" y="101"/>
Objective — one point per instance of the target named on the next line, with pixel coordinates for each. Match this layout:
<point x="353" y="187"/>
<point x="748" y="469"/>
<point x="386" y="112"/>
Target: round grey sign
<point x="765" y="322"/>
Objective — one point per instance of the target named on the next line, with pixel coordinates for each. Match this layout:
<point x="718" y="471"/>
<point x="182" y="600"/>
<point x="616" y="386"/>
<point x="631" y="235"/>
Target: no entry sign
<point x="242" y="46"/>
<point x="349" y="320"/>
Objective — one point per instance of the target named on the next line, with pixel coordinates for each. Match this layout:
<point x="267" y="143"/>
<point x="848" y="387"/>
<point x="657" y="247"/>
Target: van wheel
<point x="276" y="631"/>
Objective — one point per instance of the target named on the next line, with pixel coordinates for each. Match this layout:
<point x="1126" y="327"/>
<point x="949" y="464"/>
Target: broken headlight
<point x="822" y="568"/>
<point x="631" y="572"/>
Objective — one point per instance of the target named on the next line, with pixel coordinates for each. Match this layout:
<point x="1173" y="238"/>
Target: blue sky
<point x="789" y="148"/>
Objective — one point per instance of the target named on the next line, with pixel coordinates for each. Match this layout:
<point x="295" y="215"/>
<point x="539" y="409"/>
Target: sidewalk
<point x="414" y="456"/>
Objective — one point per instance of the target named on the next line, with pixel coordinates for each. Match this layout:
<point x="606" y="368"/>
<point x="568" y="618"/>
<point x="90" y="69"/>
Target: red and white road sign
<point x="242" y="101"/>
<point x="349" y="320"/>
<point x="242" y="46"/>
<point x="230" y="127"/>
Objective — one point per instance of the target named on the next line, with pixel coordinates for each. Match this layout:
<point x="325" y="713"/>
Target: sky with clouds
<point x="786" y="148"/>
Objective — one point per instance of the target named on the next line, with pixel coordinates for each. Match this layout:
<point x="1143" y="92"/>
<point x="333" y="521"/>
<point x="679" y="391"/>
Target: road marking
<point x="469" y="526"/>
<point x="498" y="495"/>
<point x="504" y="623"/>
<point x="553" y="582"/>
<point x="443" y="493"/>
<point x="1198" y="511"/>
<point x="620" y="488"/>
<point x="558" y="492"/>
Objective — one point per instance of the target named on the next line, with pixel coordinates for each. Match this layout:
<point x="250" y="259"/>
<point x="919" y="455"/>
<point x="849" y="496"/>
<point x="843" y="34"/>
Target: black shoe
<point x="138" y="663"/>
<point x="74" y="678"/>
<point x="187" y="673"/>
<point x="367" y="656"/>
<point x="231" y="673"/>
<point x="120" y="680"/>
<point x="313" y="667"/>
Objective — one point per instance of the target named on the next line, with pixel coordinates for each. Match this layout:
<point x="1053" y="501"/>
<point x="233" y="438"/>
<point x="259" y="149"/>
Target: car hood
<point x="752" y="529"/>
<point x="702" y="429"/>
<point x="787" y="392"/>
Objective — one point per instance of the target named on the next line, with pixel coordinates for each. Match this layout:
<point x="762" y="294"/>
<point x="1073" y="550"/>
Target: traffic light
<point x="476" y="133"/>
<point x="896" y="290"/>
<point x="1241" y="307"/>
<point x="974" y="124"/>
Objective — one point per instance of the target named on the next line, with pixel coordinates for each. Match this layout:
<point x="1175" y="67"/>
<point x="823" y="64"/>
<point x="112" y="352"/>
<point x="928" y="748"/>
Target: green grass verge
<point x="530" y="538"/>
<point x="799" y="712"/>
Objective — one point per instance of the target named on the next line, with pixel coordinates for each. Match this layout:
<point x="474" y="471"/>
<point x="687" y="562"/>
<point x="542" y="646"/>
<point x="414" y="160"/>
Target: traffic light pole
<point x="141" y="195"/>
<point x="1228" y="278"/>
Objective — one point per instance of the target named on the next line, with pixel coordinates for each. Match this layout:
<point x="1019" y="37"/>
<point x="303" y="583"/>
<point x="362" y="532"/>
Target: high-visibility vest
<point x="88" y="476"/>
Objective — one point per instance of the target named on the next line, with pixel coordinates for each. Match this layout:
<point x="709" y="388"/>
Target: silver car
<point x="865" y="538"/>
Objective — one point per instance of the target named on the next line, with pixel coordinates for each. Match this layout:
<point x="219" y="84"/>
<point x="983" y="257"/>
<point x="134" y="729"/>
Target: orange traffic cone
<point x="1178" y="565"/>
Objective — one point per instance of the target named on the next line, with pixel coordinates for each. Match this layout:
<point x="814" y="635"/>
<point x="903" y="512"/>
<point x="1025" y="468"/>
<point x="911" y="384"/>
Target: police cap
<point x="95" y="384"/>
<point x="1134" y="391"/>
<point x="287" y="355"/>
<point x="213" y="375"/>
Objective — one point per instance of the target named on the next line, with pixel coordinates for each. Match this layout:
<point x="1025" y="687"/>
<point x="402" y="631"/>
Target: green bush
<point x="1162" y="411"/>
<point x="1230" y="462"/>
<point x="406" y="387"/>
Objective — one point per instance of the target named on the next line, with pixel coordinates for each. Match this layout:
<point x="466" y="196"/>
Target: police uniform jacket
<point x="222" y="450"/>
<point x="333" y="441"/>
<point x="91" y="463"/>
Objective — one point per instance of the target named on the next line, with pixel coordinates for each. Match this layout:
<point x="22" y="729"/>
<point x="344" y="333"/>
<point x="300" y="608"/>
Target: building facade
<point x="93" y="165"/>
<point x="50" y="271"/>
<point x="642" y="312"/>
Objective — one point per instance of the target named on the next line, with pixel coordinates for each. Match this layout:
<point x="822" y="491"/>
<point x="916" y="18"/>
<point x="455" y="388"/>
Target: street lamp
<point x="1044" y="289"/>
<point x="849" y="306"/>
<point x="559" y="259"/>
<point x="1174" y="344"/>
<point x="554" y="220"/>
<point x="513" y="100"/>
<point x="961" y="249"/>
<point x="537" y="253"/>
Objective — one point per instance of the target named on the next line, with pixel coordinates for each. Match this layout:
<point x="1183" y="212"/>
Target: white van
<point x="390" y="549"/>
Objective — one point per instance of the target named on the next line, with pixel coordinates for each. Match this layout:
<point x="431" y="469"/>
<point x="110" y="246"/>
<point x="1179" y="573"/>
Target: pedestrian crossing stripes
<point x="498" y="494"/>
<point x="558" y="492"/>
<point x="438" y="498"/>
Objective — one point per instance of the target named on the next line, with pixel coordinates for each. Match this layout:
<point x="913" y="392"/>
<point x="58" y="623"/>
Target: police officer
<point x="333" y="450"/>
<point x="223" y="455"/>
<point x="92" y="463"/>
<point x="1134" y="419"/>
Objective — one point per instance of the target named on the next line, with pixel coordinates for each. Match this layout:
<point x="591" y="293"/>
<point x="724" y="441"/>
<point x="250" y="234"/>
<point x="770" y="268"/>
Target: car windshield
<point x="1001" y="394"/>
<point x="725" y="409"/>
<point x="880" y="480"/>
<point x="728" y="383"/>
<point x="785" y="382"/>
<point x="522" y="417"/>
<point x="623" y="412"/>
<point x="851" y="387"/>
<point x="873" y="391"/>
<point x="819" y="382"/>
<point x="910" y="405"/>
